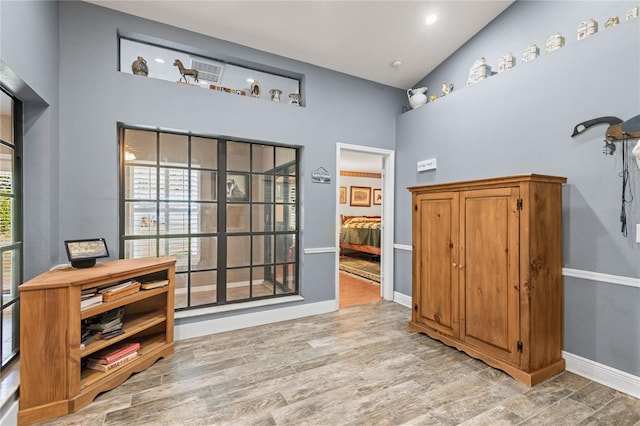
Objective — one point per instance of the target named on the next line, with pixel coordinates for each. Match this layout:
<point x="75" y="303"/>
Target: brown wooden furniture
<point x="52" y="380"/>
<point x="487" y="271"/>
<point x="375" y="250"/>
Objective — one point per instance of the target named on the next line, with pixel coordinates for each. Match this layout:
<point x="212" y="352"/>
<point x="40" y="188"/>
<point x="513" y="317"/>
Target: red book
<point x="114" y="353"/>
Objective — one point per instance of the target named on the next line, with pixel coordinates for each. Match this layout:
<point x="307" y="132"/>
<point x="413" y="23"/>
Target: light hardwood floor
<point x="356" y="291"/>
<point x="356" y="366"/>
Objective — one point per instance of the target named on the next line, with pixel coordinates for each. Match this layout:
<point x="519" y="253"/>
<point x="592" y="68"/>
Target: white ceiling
<point x="360" y="38"/>
<point x="360" y="162"/>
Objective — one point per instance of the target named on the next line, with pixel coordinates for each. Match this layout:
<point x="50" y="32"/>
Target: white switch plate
<point x="637" y="233"/>
<point x="429" y="164"/>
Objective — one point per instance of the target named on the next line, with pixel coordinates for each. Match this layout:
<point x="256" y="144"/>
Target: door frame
<point x="387" y="238"/>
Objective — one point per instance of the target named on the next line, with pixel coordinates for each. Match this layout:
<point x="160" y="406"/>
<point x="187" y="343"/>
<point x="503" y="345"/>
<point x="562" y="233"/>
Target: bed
<point x="360" y="233"/>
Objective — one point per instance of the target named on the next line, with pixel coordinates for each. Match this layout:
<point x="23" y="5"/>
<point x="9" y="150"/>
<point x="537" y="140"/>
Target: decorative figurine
<point x="587" y="28"/>
<point x="184" y="72"/>
<point x="417" y="97"/>
<point x="554" y="42"/>
<point x="507" y="61"/>
<point x="612" y="22"/>
<point x="479" y="71"/>
<point x="275" y="95"/>
<point x="433" y="97"/>
<point x="139" y="67"/>
<point x="530" y="53"/>
<point x="255" y="89"/>
<point x="446" y="89"/>
<point x="294" y="99"/>
<point x="633" y="13"/>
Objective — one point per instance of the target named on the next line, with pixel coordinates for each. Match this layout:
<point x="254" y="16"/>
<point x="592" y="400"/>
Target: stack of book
<point x="149" y="285"/>
<point x="113" y="356"/>
<point x="120" y="290"/>
<point x="90" y="297"/>
<point x="105" y="326"/>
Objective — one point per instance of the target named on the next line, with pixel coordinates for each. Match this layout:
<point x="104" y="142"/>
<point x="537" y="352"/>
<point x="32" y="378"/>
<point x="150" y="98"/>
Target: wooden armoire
<point x="487" y="271"/>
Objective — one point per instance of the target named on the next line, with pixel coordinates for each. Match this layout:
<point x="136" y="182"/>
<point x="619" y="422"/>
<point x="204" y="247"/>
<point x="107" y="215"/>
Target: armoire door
<point x="437" y="301"/>
<point x="489" y="271"/>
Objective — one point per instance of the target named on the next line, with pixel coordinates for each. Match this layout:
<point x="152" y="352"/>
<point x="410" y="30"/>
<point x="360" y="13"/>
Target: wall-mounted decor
<point x="255" y="89"/>
<point x="275" y="95"/>
<point x="612" y="22"/>
<point x="554" y="42"/>
<point x="587" y="28"/>
<point x="360" y="196"/>
<point x="294" y="99"/>
<point x="478" y="71"/>
<point x="320" y="175"/>
<point x="238" y="187"/>
<point x="530" y="53"/>
<point x="417" y="97"/>
<point x="343" y="195"/>
<point x="377" y="196"/>
<point x="139" y="67"/>
<point x="184" y="72"/>
<point x="507" y="61"/>
<point x="446" y="89"/>
<point x="228" y="90"/>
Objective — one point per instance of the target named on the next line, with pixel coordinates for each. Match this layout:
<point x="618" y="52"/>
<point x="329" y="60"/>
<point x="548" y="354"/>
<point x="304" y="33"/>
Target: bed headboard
<point x="344" y="218"/>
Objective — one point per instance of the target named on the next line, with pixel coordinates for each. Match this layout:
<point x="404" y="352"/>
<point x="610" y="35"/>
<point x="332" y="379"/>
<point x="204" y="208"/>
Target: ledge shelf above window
<point x="153" y="61"/>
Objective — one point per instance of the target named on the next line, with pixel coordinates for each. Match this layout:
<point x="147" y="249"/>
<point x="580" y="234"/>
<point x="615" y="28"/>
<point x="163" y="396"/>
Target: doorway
<point x="364" y="191"/>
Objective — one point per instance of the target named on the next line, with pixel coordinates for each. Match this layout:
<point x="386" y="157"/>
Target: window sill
<point x="209" y="310"/>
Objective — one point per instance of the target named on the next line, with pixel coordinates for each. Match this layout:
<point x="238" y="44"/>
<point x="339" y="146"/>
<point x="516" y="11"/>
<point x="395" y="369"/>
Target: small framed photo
<point x="343" y="195"/>
<point x="360" y="196"/>
<point x="237" y="187"/>
<point x="377" y="196"/>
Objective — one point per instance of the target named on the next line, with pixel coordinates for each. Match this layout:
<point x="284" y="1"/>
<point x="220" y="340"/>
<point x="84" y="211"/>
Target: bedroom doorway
<point x="364" y="225"/>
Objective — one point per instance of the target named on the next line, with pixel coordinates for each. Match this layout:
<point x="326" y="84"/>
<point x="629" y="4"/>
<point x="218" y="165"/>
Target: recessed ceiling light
<point x="397" y="63"/>
<point x="431" y="19"/>
<point x="159" y="60"/>
<point x="250" y="80"/>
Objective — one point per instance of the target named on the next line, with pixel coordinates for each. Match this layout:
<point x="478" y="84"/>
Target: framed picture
<point x="360" y="196"/>
<point x="237" y="187"/>
<point x="343" y="195"/>
<point x="377" y="196"/>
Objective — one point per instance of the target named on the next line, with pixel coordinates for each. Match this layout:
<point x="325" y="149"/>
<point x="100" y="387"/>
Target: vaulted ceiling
<point x="359" y="38"/>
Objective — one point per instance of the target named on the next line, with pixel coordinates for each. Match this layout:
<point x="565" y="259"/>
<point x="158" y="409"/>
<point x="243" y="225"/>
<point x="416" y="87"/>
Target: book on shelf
<point x="90" y="300"/>
<point x="88" y="291"/>
<point x="102" y="326"/>
<point x="114" y="364"/>
<point x="110" y="334"/>
<point x="107" y="326"/>
<point x="112" y="288"/>
<point x="107" y="317"/>
<point x="153" y="284"/>
<point x="114" y="352"/>
<point x="118" y="291"/>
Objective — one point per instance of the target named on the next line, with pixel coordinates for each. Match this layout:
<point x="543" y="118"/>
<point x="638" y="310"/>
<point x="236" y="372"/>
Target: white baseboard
<point x="608" y="376"/>
<point x="402" y="299"/>
<point x="236" y="322"/>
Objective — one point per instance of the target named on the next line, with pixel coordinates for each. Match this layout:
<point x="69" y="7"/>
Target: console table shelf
<point x="53" y="380"/>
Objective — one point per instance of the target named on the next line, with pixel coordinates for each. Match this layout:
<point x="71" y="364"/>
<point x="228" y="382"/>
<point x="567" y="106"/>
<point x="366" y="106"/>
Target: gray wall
<point x="520" y="121"/>
<point x="95" y="97"/>
<point x="29" y="55"/>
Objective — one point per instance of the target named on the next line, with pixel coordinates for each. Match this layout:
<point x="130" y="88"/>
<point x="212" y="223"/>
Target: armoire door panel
<point x="489" y="278"/>
<point x="439" y="296"/>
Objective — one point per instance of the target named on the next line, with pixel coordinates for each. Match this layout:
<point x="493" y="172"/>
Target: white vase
<point x="417" y="97"/>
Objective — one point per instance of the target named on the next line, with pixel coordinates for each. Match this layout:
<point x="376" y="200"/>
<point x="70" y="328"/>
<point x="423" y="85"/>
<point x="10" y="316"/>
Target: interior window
<point x="226" y="209"/>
